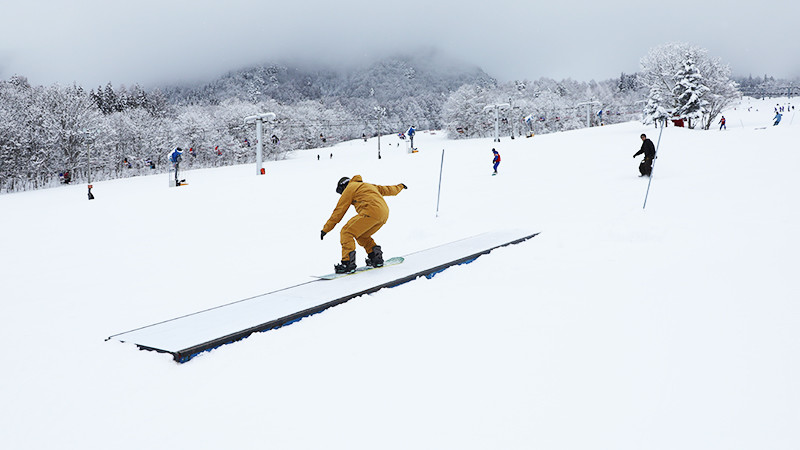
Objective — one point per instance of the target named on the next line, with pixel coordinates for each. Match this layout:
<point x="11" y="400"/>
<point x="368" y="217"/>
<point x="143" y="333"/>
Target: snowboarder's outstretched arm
<point x="391" y="190"/>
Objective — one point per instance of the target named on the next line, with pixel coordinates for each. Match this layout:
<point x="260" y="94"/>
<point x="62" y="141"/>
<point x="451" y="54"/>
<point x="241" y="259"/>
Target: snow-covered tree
<point x="700" y="89"/>
<point x="463" y="112"/>
<point x="658" y="75"/>
<point x="723" y="91"/>
<point x="690" y="91"/>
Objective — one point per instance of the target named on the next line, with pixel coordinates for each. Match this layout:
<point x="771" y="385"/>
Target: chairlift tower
<point x="259" y="121"/>
<point x="589" y="110"/>
<point x="496" y="109"/>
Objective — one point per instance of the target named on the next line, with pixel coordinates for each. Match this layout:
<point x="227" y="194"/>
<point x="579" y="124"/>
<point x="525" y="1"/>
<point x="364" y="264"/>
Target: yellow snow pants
<point x="359" y="229"/>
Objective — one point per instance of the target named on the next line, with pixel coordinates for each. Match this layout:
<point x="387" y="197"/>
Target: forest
<point x="118" y="131"/>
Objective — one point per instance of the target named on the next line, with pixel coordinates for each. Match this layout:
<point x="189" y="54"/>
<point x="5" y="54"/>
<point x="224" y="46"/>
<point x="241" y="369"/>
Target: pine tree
<point x="689" y="91"/>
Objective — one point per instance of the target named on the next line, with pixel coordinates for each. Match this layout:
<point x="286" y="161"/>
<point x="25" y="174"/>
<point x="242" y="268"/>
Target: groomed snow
<point x="677" y="326"/>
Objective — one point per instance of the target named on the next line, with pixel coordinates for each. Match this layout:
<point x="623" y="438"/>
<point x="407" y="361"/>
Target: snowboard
<point x="389" y="262"/>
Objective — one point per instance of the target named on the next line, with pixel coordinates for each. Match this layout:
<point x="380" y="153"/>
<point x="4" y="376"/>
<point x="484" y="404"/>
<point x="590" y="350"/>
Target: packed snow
<point x="618" y="327"/>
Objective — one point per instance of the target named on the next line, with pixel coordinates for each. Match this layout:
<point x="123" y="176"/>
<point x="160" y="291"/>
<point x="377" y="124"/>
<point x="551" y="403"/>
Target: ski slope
<point x="676" y="326"/>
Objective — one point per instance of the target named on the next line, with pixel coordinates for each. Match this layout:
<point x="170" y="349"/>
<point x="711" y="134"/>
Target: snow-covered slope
<point x="677" y="326"/>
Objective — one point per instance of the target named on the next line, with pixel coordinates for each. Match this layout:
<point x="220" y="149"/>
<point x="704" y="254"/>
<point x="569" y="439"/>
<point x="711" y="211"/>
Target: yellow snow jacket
<point x="366" y="197"/>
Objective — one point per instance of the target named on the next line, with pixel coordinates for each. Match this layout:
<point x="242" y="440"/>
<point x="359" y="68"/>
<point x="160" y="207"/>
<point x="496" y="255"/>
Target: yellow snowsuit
<point x="372" y="212"/>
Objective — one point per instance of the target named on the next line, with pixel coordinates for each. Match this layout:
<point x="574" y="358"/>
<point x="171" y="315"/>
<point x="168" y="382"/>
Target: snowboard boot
<point x="375" y="257"/>
<point x="347" y="266"/>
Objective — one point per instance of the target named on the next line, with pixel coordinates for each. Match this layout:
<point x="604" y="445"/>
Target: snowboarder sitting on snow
<point x="649" y="150"/>
<point x="495" y="161"/>
<point x="372" y="213"/>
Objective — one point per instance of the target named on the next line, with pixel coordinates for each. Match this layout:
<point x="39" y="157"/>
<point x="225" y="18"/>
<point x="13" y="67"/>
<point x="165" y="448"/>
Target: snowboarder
<point x="649" y="150"/>
<point x="372" y="213"/>
<point x="175" y="158"/>
<point x="777" y="118"/>
<point x="495" y="161"/>
<point x="722" y="123"/>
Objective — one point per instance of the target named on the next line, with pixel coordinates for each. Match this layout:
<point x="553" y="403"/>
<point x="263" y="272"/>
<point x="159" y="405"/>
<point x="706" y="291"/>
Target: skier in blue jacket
<point x="175" y="156"/>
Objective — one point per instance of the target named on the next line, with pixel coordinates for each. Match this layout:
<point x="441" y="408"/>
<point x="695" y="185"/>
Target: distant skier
<point x="372" y="212"/>
<point x="410" y="133"/>
<point x="777" y="118"/>
<point x="175" y="158"/>
<point x="722" y="123"/>
<point x="495" y="161"/>
<point x="649" y="150"/>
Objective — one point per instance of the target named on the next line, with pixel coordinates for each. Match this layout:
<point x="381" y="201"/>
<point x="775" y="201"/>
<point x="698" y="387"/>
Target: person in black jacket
<point x="649" y="150"/>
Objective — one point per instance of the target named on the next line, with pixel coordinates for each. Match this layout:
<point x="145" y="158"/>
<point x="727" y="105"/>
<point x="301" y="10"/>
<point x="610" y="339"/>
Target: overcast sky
<point x="93" y="42"/>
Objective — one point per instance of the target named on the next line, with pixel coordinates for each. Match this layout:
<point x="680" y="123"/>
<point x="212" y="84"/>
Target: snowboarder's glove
<point x="322" y="235"/>
<point x="404" y="186"/>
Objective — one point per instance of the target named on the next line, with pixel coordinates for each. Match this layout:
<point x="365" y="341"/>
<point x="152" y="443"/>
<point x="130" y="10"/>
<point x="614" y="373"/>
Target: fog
<point x="177" y="41"/>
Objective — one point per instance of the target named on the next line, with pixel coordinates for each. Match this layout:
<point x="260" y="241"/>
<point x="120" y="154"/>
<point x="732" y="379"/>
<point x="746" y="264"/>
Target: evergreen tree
<point x="689" y="91"/>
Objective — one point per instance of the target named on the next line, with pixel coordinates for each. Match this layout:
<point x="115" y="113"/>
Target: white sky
<point x="94" y="42"/>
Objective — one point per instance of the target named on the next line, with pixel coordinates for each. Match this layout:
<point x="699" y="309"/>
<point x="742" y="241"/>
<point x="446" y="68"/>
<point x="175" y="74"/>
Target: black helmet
<point x="342" y="184"/>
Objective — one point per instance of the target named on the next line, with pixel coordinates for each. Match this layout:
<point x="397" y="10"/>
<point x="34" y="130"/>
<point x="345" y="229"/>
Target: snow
<point x="674" y="326"/>
<point x="209" y="328"/>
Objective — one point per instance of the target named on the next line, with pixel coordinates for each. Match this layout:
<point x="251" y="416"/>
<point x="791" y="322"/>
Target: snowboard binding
<point x="347" y="266"/>
<point x="375" y="257"/>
